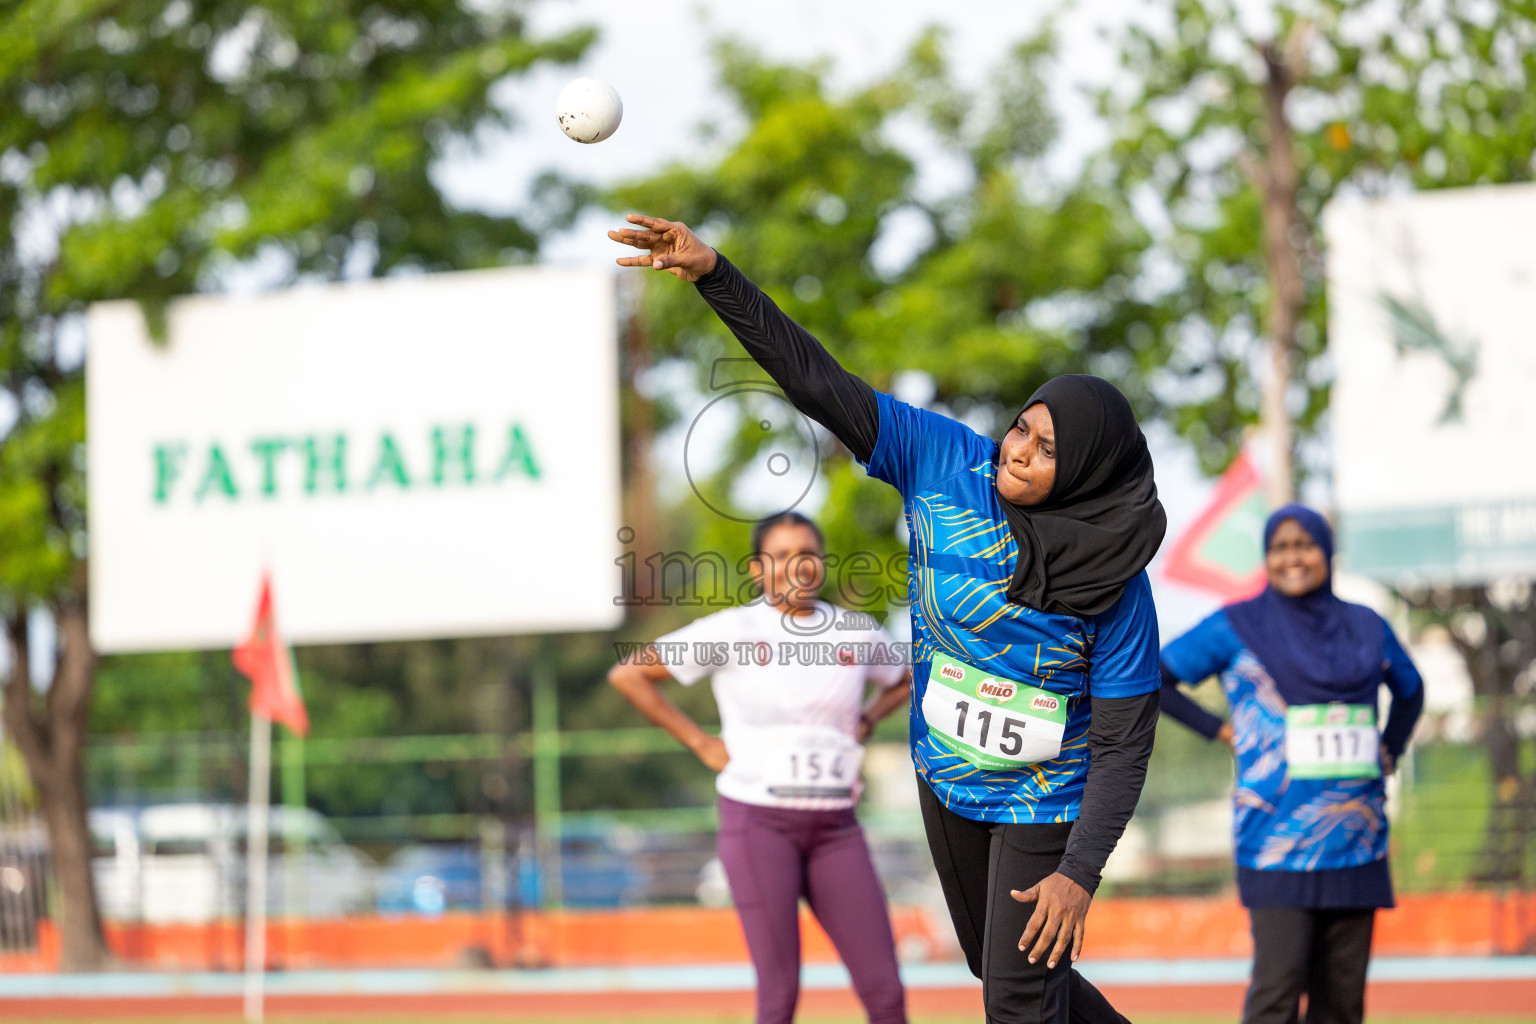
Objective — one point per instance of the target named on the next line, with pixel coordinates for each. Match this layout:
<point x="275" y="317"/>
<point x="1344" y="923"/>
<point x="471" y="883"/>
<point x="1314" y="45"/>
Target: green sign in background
<point x="1469" y="543"/>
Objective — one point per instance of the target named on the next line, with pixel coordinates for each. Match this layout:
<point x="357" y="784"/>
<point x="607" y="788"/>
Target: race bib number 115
<point x="991" y="721"/>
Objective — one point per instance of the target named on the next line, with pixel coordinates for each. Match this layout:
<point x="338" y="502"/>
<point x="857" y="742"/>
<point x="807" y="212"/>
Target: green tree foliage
<point x="1385" y="96"/>
<point x="148" y="149"/>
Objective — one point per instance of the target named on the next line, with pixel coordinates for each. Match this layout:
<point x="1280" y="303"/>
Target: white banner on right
<point x="1432" y="333"/>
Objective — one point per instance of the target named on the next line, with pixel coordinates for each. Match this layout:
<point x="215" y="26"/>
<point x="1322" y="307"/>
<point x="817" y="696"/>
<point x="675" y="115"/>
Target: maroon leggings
<point x="772" y="857"/>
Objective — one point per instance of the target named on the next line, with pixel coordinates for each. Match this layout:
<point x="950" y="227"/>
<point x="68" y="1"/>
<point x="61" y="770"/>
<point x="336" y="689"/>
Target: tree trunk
<point x="1508" y="646"/>
<point x="639" y="500"/>
<point x="1277" y="180"/>
<point x="53" y="747"/>
<point x="1504" y="845"/>
<point x="1497" y="641"/>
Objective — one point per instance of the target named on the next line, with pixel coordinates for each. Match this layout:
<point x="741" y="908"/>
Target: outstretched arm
<point x="812" y="380"/>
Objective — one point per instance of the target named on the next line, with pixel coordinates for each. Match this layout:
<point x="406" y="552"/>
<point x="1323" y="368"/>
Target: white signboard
<point x="1432" y="330"/>
<point x="416" y="457"/>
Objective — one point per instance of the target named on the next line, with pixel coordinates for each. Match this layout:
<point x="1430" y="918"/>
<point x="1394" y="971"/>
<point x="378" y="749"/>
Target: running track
<point x="1463" y="988"/>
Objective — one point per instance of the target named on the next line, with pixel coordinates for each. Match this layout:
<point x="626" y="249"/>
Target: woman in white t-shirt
<point x="789" y="675"/>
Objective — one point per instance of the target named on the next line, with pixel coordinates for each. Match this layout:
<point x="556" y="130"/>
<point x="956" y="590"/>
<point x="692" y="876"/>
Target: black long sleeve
<point x="812" y="380"/>
<point x="1178" y="706"/>
<point x="1120" y="737"/>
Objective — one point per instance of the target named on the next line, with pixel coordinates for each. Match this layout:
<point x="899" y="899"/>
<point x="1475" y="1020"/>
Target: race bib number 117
<point x="1332" y="741"/>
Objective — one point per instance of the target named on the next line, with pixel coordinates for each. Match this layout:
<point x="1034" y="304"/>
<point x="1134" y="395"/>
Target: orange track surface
<point x="1463" y="1000"/>
<point x="1461" y="924"/>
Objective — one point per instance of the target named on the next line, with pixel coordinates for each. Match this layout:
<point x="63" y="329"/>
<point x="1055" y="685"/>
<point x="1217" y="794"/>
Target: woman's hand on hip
<point x="711" y="750"/>
<point x="1061" y="908"/>
<point x="672" y="246"/>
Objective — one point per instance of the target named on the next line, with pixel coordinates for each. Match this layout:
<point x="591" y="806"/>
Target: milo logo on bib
<point x="1044" y="702"/>
<point x="999" y="691"/>
<point x="954" y="673"/>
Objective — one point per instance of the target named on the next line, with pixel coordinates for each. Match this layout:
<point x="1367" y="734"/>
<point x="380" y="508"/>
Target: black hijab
<point x="1101" y="523"/>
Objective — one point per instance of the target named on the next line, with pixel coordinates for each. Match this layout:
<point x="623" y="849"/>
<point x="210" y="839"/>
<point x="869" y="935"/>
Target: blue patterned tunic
<point x="1298" y="842"/>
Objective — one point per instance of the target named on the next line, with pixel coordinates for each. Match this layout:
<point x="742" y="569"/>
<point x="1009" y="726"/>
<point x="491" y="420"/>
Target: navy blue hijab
<point x="1317" y="648"/>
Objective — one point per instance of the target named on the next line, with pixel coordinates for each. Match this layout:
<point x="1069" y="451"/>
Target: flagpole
<point x="274" y="695"/>
<point x="256" y="868"/>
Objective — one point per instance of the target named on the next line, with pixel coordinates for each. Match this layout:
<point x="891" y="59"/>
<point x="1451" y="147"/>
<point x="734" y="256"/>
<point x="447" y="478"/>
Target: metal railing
<point x="23" y="857"/>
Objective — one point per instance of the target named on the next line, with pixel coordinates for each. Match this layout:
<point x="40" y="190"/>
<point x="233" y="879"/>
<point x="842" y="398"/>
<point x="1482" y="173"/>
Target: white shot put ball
<point x="589" y="110"/>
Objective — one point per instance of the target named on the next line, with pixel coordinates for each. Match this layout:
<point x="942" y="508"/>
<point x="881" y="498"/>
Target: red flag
<point x="1223" y="549"/>
<point x="268" y="662"/>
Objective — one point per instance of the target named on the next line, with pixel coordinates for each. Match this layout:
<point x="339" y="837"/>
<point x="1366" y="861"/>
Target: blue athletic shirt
<point x="960" y="560"/>
<point x="1281" y="824"/>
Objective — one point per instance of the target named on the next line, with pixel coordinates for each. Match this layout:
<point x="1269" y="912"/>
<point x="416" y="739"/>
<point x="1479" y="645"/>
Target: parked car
<point x="597" y="869"/>
<point x="429" y="878"/>
<point x="115" y="862"/>
<point x="187" y="863"/>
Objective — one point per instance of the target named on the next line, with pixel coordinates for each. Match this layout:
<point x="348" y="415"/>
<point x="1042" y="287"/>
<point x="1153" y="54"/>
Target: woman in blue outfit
<point x="1302" y="670"/>
<point x="1035" y="672"/>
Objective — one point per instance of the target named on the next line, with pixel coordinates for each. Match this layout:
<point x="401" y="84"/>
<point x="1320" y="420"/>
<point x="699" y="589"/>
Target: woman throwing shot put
<point x="1302" y="670"/>
<point x="788" y="755"/>
<point x="1035" y="667"/>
